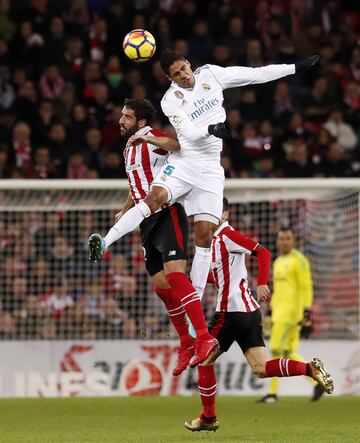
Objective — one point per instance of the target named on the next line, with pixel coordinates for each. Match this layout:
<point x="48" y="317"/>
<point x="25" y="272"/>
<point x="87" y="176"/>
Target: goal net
<point x="50" y="290"/>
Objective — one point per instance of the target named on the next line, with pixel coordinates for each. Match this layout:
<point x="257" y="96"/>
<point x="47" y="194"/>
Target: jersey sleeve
<point x="234" y="76"/>
<point x="304" y="278"/>
<point x="239" y="242"/>
<point x="181" y="122"/>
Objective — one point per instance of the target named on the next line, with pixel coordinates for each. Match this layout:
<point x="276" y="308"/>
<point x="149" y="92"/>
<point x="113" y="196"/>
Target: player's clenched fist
<point x="263" y="292"/>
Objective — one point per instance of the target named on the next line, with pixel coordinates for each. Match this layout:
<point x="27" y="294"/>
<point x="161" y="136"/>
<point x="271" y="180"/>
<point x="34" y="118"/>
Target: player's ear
<point x="142" y="123"/>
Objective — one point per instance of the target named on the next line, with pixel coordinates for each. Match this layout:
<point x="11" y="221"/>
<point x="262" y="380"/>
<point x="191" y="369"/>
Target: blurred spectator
<point x="41" y="165"/>
<point x="5" y="170"/>
<point x="343" y="133"/>
<point x="93" y="148"/>
<point x="58" y="301"/>
<point x="55" y="40"/>
<point x="109" y="322"/>
<point x="21" y="145"/>
<point x="39" y="282"/>
<point x="200" y="43"/>
<point x="7" y="26"/>
<point x="335" y="163"/>
<point x="7" y="94"/>
<point x="61" y="256"/>
<point x="298" y="163"/>
<point x="59" y="147"/>
<point x="114" y="166"/>
<point x="236" y="38"/>
<point x="51" y="83"/>
<point x="80" y="124"/>
<point x="76" y="167"/>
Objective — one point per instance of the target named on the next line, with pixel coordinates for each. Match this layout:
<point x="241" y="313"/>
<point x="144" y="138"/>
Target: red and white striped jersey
<point x="142" y="163"/>
<point x="228" y="249"/>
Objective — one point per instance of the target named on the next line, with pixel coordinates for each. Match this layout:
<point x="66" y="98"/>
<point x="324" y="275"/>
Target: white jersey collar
<point x="221" y="227"/>
<point x="143" y="130"/>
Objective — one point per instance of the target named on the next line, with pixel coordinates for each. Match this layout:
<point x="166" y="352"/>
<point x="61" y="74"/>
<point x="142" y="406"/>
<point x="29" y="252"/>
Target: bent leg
<point x="135" y="215"/>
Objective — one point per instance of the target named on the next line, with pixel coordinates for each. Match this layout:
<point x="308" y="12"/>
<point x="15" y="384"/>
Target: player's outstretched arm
<point x="166" y="143"/>
<point x="234" y="76"/>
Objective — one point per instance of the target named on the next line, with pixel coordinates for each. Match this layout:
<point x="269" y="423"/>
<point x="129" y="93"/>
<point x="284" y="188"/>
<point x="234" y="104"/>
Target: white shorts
<point x="201" y="184"/>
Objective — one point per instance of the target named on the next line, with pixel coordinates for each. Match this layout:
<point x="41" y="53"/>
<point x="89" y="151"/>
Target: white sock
<point x="200" y="269"/>
<point x="128" y="222"/>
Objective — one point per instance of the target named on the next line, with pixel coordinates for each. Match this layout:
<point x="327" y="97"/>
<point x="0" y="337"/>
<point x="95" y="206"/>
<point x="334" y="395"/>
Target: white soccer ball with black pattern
<point x="139" y="45"/>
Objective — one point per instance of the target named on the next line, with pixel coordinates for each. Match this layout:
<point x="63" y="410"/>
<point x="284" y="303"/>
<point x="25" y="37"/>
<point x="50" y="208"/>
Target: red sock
<point x="284" y="367"/>
<point x="187" y="295"/>
<point x="207" y="389"/>
<point x="176" y="314"/>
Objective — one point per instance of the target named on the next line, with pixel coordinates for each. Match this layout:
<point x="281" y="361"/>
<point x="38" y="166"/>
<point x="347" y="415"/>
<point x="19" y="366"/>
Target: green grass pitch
<point x="160" y="419"/>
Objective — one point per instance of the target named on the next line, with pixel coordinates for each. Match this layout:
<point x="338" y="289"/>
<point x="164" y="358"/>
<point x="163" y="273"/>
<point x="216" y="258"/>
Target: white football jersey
<point x="228" y="250"/>
<point x="192" y="110"/>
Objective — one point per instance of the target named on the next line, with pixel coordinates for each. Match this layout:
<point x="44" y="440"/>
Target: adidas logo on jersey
<point x="171" y="253"/>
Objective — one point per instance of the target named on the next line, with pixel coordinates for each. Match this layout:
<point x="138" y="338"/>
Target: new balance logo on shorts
<point x="171" y="253"/>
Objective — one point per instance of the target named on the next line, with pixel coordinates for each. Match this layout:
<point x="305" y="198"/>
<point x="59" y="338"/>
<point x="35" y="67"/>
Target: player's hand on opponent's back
<point x="135" y="140"/>
<point x="263" y="292"/>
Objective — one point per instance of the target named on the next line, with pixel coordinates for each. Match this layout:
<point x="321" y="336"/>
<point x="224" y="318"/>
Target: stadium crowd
<point x="63" y="79"/>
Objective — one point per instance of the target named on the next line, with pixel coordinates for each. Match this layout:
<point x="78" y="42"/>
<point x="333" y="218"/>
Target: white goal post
<point x="50" y="290"/>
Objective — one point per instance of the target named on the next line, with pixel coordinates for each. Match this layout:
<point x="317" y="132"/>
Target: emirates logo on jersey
<point x="179" y="94"/>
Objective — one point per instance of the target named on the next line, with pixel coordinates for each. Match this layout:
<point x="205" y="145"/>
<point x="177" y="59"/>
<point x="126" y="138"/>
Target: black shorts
<point x="164" y="237"/>
<point x="243" y="327"/>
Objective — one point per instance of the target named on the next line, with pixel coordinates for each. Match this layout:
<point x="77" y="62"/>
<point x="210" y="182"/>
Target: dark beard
<point x="128" y="134"/>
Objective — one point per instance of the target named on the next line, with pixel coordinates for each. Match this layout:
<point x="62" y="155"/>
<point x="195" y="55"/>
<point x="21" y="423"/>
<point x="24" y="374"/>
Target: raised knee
<point x="156" y="198"/>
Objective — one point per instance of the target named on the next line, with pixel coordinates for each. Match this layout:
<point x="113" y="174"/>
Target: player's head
<point x="135" y="114"/>
<point x="226" y="211"/>
<point x="177" y="69"/>
<point x="285" y="240"/>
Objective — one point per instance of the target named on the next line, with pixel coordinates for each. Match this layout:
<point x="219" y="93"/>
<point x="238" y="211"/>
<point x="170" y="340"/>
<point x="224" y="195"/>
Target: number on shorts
<point x="169" y="170"/>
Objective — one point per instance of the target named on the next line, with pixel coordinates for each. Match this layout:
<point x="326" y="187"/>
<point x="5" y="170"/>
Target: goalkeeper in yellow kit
<point x="290" y="306"/>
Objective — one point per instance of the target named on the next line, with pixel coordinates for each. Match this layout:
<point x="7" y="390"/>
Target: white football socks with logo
<point x="200" y="269"/>
<point x="128" y="222"/>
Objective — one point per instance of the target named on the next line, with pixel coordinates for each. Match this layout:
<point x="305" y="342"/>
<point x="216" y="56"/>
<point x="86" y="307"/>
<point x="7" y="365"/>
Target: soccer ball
<point x="139" y="45"/>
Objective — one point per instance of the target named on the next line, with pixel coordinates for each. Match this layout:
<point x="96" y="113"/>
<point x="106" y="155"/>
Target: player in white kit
<point x="194" y="106"/>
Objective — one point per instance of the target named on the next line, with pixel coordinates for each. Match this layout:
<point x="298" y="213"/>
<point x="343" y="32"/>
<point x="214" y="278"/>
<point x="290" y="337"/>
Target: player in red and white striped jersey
<point x="164" y="234"/>
<point x="143" y="164"/>
<point x="238" y="318"/>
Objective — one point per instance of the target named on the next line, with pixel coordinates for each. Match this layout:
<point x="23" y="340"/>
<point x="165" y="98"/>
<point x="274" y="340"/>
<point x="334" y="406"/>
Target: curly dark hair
<point x="143" y="109"/>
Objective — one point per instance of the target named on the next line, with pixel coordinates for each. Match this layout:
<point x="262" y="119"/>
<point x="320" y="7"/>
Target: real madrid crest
<point x="179" y="94"/>
<point x="206" y="87"/>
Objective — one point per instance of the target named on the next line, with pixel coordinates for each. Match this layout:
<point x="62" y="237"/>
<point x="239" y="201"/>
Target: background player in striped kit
<point x="164" y="234"/>
<point x="238" y="318"/>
